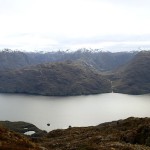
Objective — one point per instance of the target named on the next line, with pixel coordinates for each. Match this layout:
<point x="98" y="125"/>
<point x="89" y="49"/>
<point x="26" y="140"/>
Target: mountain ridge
<point x="54" y="79"/>
<point x="102" y="61"/>
<point x="135" y="77"/>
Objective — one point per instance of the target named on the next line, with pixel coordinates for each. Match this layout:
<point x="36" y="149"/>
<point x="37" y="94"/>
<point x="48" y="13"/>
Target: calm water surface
<point x="61" y="112"/>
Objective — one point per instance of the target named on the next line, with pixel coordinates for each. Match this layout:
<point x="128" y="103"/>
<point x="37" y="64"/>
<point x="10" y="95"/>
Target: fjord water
<point x="61" y="112"/>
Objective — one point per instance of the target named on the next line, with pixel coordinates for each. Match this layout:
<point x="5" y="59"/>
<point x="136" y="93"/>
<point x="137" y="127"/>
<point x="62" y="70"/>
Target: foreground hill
<point x="10" y="140"/>
<point x="55" y="79"/>
<point x="135" y="76"/>
<point x="23" y="127"/>
<point x="129" y="134"/>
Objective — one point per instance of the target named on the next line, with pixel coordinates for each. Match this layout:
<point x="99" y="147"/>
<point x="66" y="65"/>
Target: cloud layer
<point x="70" y="24"/>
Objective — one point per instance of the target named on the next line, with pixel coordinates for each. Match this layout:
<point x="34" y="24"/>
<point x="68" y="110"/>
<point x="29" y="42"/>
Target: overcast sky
<point x="114" y="25"/>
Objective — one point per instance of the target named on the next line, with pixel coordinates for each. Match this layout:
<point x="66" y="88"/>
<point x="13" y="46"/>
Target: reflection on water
<point x="61" y="112"/>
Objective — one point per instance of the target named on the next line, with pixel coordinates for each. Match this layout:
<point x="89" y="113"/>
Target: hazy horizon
<point x="48" y="25"/>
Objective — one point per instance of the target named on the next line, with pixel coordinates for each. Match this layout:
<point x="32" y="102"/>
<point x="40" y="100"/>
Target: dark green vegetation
<point x="57" y="79"/>
<point x="74" y="73"/>
<point x="128" y="134"/>
<point x="135" y="76"/>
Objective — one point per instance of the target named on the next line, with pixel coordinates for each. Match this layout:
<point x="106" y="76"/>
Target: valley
<point x="70" y="89"/>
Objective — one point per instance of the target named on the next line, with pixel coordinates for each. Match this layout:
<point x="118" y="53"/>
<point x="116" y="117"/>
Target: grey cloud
<point x="108" y="38"/>
<point x="118" y="42"/>
<point x="130" y="3"/>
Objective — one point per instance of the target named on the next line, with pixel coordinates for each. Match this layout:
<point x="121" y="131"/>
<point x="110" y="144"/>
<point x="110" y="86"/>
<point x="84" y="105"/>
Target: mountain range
<point x="74" y="73"/>
<point x="102" y="61"/>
